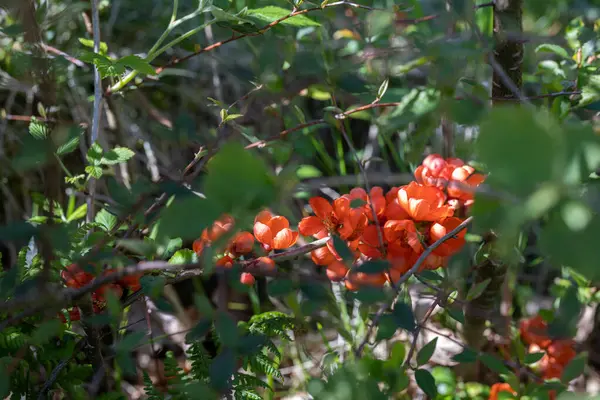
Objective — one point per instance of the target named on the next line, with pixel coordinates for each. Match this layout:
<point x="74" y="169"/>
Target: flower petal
<point x="321" y="207"/>
<point x="284" y="239"/>
<point x="277" y="224"/>
<point x="263" y="233"/>
<point x="310" y="226"/>
<point x="264" y="217"/>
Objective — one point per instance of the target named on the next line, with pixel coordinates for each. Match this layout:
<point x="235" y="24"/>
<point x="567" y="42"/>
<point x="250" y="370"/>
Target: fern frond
<point x="261" y="364"/>
<point x="150" y="390"/>
<point x="272" y="324"/>
<point x="247" y="381"/>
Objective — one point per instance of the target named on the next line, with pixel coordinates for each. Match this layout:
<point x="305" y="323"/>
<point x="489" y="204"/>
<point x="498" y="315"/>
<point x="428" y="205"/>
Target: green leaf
<point x="383" y="88"/>
<point x="308" y="171"/>
<point x="71" y="142"/>
<point x="568" y="238"/>
<point x="426" y="382"/>
<point x="494" y="363"/>
<point x="130" y="341"/>
<point x="553" y="48"/>
<point x="153" y="286"/>
<point x="175" y="219"/>
<point x="467" y="356"/>
<point x="94" y="154"/>
<point x="374" y="266"/>
<point x="426" y="352"/>
<point x="476" y="290"/>
<point x="237" y="180"/>
<point x="90" y="43"/>
<point x="222" y="369"/>
<point x="508" y="125"/>
<point x="574" y="368"/>
<point x="38" y="129"/>
<point x="137" y="246"/>
<point x="94" y="171"/>
<point x="138" y="64"/>
<point x="456" y="314"/>
<point x="273" y="13"/>
<point x="106" y="220"/>
<point x="117" y="155"/>
<point x="404" y="316"/>
<point x="46" y="331"/>
<point x="79" y="213"/>
<point x="532" y="358"/>
<point x="342" y="248"/>
<point x="231" y="117"/>
<point x="183" y="256"/>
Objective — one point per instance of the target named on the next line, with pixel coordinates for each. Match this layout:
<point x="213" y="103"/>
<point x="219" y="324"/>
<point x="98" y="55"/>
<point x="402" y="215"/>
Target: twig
<point x="71" y="59"/>
<point x="56" y="372"/>
<point x="417" y="331"/>
<point x="97" y="105"/>
<point x="405" y="277"/>
<point x="67" y="296"/>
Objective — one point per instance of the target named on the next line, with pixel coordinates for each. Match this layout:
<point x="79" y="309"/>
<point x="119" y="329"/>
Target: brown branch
<point x="68" y="295"/>
<point x="405" y="277"/>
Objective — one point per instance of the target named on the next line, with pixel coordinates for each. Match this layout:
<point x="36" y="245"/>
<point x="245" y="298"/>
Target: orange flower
<point x="241" y="244"/>
<point x="365" y="279"/>
<point x="102" y="292"/>
<point x="369" y="243"/>
<point x="403" y="233"/>
<point x="74" y="315"/>
<point x="466" y="175"/>
<point x="225" y="262"/>
<point x="533" y="331"/>
<point x="75" y="277"/>
<point x="337" y="271"/>
<point x="219" y="228"/>
<point x="433" y="261"/>
<point x="209" y="235"/>
<point x="263" y="264"/>
<point x="340" y="217"/>
<point x="424" y="203"/>
<point x="435" y="171"/>
<point x="393" y="209"/>
<point x="274" y="231"/>
<point x="500" y="387"/>
<point x="562" y="351"/>
<point x="323" y="256"/>
<point x="551" y="367"/>
<point x="374" y="200"/>
<point x="131" y="282"/>
<point x="440" y="229"/>
<point x="247" y="279"/>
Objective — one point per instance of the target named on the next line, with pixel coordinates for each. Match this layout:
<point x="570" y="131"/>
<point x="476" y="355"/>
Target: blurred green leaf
<point x="238" y="180"/>
<point x="117" y="155"/>
<point x="477" y="289"/>
<point x="426" y="382"/>
<point x="273" y="13"/>
<point x="138" y="64"/>
<point x="574" y="368"/>
<point x="553" y="48"/>
<point x="494" y="363"/>
<point x="495" y="144"/>
<point x="426" y="352"/>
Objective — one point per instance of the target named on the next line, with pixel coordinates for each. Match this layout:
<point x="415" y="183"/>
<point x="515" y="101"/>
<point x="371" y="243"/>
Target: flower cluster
<point x="557" y="353"/>
<point x="396" y="226"/>
<point x="272" y="232"/>
<point x="75" y="277"/>
<point x="452" y="175"/>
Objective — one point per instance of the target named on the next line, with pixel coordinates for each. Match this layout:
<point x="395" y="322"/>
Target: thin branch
<point x="97" y="104"/>
<point x="417" y="331"/>
<point x="405" y="277"/>
<point x="68" y="296"/>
